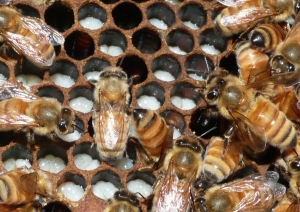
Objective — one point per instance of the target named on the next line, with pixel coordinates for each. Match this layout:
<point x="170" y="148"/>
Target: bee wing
<point x="40" y="28"/>
<point x="9" y="90"/>
<point x="5" y="2"/>
<point x="29" y="182"/>
<point x="15" y="119"/>
<point x="232" y="3"/>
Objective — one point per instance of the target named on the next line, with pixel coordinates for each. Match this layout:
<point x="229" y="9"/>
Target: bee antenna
<point x="120" y="62"/>
<point x="208" y="131"/>
<point x="79" y="128"/>
<point x="142" y="196"/>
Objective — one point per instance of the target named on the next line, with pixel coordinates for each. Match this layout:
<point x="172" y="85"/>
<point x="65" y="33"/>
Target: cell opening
<point x="112" y="42"/>
<point x="198" y="67"/>
<point x="166" y="68"/>
<point x="140" y="182"/>
<point x="193" y="16"/>
<point x="81" y="99"/>
<point x="17" y="156"/>
<point x="146" y="40"/>
<point x="212" y="43"/>
<point x="160" y="16"/>
<point x="92" y="68"/>
<point x="150" y="96"/>
<point x="64" y="73"/>
<point x="180" y="41"/>
<point x="86" y="157"/>
<point x="92" y="16"/>
<point x="51" y="92"/>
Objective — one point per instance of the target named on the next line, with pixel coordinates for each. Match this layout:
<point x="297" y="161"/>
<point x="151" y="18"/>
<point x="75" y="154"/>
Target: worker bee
<point x="123" y="201"/>
<point x="20" y="110"/>
<point x="289" y="203"/>
<point x="242" y="14"/>
<point x="152" y="132"/>
<point x="252" y="193"/>
<point x="110" y="119"/>
<point x="28" y="207"/>
<point x="22" y="186"/>
<point x="29" y="37"/>
<point x="253" y="113"/>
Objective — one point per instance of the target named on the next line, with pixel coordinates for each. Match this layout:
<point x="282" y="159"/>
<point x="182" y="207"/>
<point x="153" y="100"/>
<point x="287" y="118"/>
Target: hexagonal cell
<point x="86" y="157"/>
<point x="81" y="99"/>
<point x="51" y="92"/>
<point x="92" y="68"/>
<point x="72" y="137"/>
<point x="59" y="16"/>
<point x="79" y="45"/>
<point x="72" y="186"/>
<point x="63" y="73"/>
<point x="52" y="158"/>
<point x="55" y="207"/>
<point x="184" y="96"/>
<point x="146" y="40"/>
<point x="192" y="15"/>
<point x="127" y="15"/>
<point x="166" y="68"/>
<point x="105" y="184"/>
<point x="16" y="156"/>
<point x="160" y="16"/>
<point x="27" y="10"/>
<point x="175" y="120"/>
<point x="112" y="42"/>
<point x="180" y="41"/>
<point x="128" y="159"/>
<point x="92" y="16"/>
<point x="212" y="43"/>
<point x="4" y="71"/>
<point x="140" y="182"/>
<point x="198" y="66"/>
<point x="28" y="74"/>
<point x="134" y="67"/>
<point x="150" y="96"/>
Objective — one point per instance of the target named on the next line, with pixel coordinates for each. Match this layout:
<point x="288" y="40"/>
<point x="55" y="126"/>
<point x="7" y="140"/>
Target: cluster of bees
<point x="194" y="174"/>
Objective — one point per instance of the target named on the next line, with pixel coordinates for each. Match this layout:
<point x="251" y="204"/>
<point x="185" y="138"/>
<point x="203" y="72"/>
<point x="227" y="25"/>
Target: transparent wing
<point x="29" y="182"/>
<point x="232" y="3"/>
<point x="17" y="120"/>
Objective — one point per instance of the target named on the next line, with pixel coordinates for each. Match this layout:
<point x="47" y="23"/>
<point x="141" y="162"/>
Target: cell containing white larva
<point x="140" y="187"/>
<point x="190" y="25"/>
<point x="71" y="191"/>
<point x="29" y="79"/>
<point x="210" y="49"/>
<point x="12" y="163"/>
<point x="180" y="41"/>
<point x="177" y="50"/>
<point x="104" y="190"/>
<point x="158" y="23"/>
<point x="62" y="80"/>
<point x="71" y="137"/>
<point x="164" y="75"/>
<point x="2" y="77"/>
<point x="81" y="104"/>
<point x="86" y="162"/>
<point x="51" y="163"/>
<point x="91" y="23"/>
<point x="124" y="164"/>
<point x="160" y="16"/>
<point x="183" y="103"/>
<point x="92" y="16"/>
<point x="148" y="102"/>
<point x="111" y="50"/>
<point x="92" y="76"/>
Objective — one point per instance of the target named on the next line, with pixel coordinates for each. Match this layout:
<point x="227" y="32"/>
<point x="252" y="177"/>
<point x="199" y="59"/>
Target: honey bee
<point x="29" y="207"/>
<point x="22" y="110"/>
<point x="23" y="186"/>
<point x="152" y="132"/>
<point x="123" y="201"/>
<point x="288" y="204"/>
<point x="253" y="113"/>
<point x="252" y="193"/>
<point x="242" y="14"/>
<point x="29" y="37"/>
<point x="110" y="119"/>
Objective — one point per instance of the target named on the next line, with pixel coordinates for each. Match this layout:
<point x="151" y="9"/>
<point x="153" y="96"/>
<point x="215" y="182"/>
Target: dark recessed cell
<point x="174" y="119"/>
<point x="28" y="68"/>
<point x="57" y="50"/>
<point x="75" y="178"/>
<point x="4" y="70"/>
<point x="113" y="38"/>
<point x="146" y="40"/>
<point x="59" y="16"/>
<point x="17" y="152"/>
<point x="56" y="207"/>
<point x="161" y="12"/>
<point x="187" y="91"/>
<point x="81" y="91"/>
<point x="134" y="66"/>
<point x="215" y="13"/>
<point x="90" y="127"/>
<point x="268" y="156"/>
<point x="209" y="37"/>
<point x="6" y="137"/>
<point x="107" y="176"/>
<point x="167" y="63"/>
<point x="199" y="65"/>
<point x="126" y="15"/>
<point x="79" y="125"/>
<point x="145" y="176"/>
<point x="54" y="150"/>
<point x="94" y="64"/>
<point x="51" y="92"/>
<point x="109" y="1"/>
<point x="92" y="10"/>
<point x="79" y="45"/>
<point x="193" y="13"/>
<point x="27" y="10"/>
<point x="180" y="38"/>
<point x="64" y="67"/>
<point x="154" y="90"/>
<point x="230" y="64"/>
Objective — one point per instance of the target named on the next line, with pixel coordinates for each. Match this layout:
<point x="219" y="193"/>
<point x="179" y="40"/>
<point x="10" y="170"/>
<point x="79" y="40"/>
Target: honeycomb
<point x="145" y="49"/>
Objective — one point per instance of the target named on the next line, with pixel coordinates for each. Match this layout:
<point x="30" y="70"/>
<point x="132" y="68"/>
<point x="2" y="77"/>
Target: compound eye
<point x="295" y="165"/>
<point x="290" y="67"/>
<point x="213" y="94"/>
<point x="62" y="126"/>
<point x="257" y="39"/>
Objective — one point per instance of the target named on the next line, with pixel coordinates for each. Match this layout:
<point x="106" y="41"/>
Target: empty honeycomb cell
<point x="51" y="92"/>
<point x="140" y="182"/>
<point x="86" y="157"/>
<point x="146" y="40"/>
<point x="160" y="16"/>
<point x="127" y="15"/>
<point x="150" y="96"/>
<point x="166" y="68"/>
<point x="72" y="186"/>
<point x="59" y="16"/>
<point x="92" y="68"/>
<point x="28" y="10"/>
<point x="198" y="66"/>
<point x="92" y="16"/>
<point x="55" y="207"/>
<point x="176" y="120"/>
<point x="212" y="43"/>
<point x="105" y="183"/>
<point x="112" y="42"/>
<point x="52" y="158"/>
<point x="4" y="71"/>
<point x="180" y="41"/>
<point x="192" y="15"/>
<point x="17" y="156"/>
<point x="128" y="159"/>
<point x="184" y="96"/>
<point x="81" y="99"/>
<point x="79" y="45"/>
<point x="63" y="73"/>
<point x="73" y="137"/>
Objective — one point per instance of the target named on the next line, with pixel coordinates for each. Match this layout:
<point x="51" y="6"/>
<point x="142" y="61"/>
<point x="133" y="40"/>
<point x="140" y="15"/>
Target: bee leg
<point x="30" y="136"/>
<point x="227" y="136"/>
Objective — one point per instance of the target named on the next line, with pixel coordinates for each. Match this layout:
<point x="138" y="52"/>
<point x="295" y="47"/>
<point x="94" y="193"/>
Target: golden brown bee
<point x="29" y="37"/>
<point x="253" y="193"/>
<point x="43" y="2"/>
<point x="256" y="114"/>
<point x="218" y="164"/>
<point x="23" y="186"/>
<point x="123" y="201"/>
<point x="242" y="14"/>
<point x="29" y="207"/>
<point x="288" y="204"/>
<point x="152" y="132"/>
<point x="110" y="119"/>
<point x="22" y="110"/>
